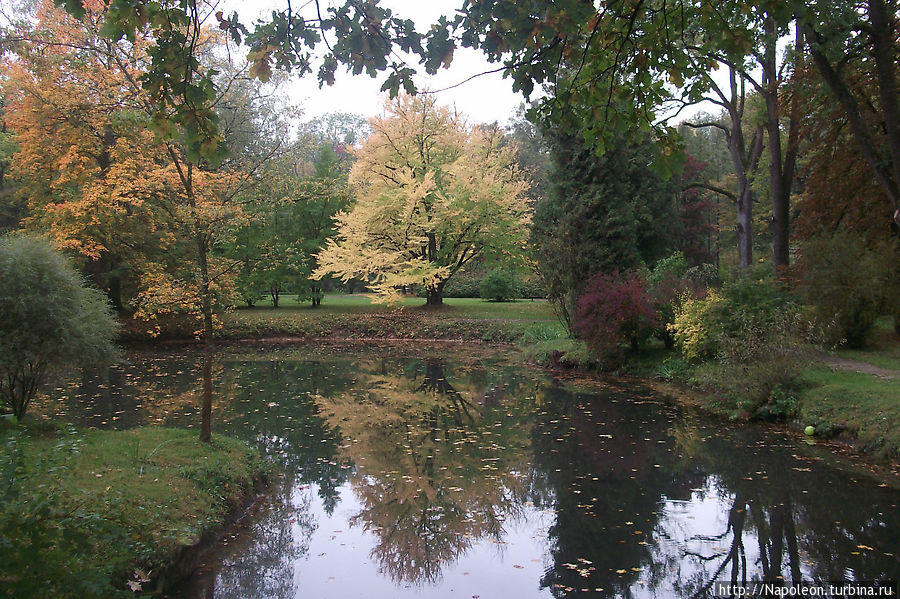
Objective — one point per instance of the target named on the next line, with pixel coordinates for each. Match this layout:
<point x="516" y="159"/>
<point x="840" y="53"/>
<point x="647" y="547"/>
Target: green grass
<point x="866" y="406"/>
<point x="363" y="304"/>
<point x="88" y="512"/>
<point x="356" y="317"/>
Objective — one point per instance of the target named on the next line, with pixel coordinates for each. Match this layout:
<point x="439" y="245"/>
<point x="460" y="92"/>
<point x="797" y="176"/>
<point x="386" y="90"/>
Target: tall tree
<point x="621" y="69"/>
<point x="88" y="170"/>
<point x="103" y="173"/>
<point x="291" y="217"/>
<point x="600" y="215"/>
<point x="434" y="194"/>
<point x="846" y="38"/>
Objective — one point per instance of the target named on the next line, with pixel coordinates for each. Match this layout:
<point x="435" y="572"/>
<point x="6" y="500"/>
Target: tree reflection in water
<point x="439" y="469"/>
<point x="261" y="557"/>
<point x="781" y="524"/>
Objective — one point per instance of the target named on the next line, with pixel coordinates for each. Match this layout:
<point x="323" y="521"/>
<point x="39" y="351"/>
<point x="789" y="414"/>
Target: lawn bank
<point x="345" y="317"/>
<point x="102" y="513"/>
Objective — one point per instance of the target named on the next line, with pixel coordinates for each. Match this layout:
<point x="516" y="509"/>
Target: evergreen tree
<point x="601" y="214"/>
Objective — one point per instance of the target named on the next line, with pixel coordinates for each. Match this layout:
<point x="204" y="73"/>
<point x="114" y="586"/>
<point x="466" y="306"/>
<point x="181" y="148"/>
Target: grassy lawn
<point x="363" y="304"/>
<point x="864" y="405"/>
<point x="87" y="513"/>
<point x="357" y="316"/>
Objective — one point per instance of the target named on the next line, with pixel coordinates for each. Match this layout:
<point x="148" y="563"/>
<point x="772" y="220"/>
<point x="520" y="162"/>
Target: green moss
<point x="85" y="513"/>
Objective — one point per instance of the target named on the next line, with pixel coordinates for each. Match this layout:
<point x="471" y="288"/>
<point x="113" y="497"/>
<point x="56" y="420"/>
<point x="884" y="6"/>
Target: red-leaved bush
<point x="614" y="308"/>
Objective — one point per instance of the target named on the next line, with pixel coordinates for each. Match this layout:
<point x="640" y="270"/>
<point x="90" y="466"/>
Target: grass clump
<point x="101" y="513"/>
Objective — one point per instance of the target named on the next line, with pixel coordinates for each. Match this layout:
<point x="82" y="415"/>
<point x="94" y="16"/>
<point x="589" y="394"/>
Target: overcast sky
<point x="485" y="99"/>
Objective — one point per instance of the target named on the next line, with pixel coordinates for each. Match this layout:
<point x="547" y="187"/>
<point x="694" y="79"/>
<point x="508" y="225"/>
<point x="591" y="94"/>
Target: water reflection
<point x="438" y="467"/>
<point x="413" y="474"/>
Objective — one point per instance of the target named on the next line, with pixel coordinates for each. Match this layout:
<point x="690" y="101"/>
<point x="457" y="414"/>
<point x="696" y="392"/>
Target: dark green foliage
<point x="500" y="285"/>
<point x="48" y="319"/>
<point x="40" y="533"/>
<point x="601" y="215"/>
<point x="465" y="283"/>
<point x="847" y="285"/>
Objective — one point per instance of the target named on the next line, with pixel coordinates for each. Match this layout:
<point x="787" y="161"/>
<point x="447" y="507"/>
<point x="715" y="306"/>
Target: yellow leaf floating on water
<point x="866" y="547"/>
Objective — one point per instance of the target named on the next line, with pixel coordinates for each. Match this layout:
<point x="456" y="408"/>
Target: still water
<point x="436" y="472"/>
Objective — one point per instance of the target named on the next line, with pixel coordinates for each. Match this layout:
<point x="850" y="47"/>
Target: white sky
<point x="485" y="99"/>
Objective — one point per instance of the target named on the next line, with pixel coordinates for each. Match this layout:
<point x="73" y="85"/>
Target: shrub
<point x="533" y="287"/>
<point x="751" y="330"/>
<point x="614" y="308"/>
<point x="48" y="319"/>
<point x="667" y="284"/>
<point x="846" y="285"/>
<point x="500" y="285"/>
<point x="703" y="325"/>
<point x="40" y="532"/>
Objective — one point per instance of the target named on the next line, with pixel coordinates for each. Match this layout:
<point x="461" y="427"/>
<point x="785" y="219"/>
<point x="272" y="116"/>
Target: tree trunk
<point x="886" y="169"/>
<point x="781" y="163"/>
<point x="115" y="292"/>
<point x="208" y="331"/>
<point x="884" y="47"/>
<point x="206" y="406"/>
<point x="745" y="161"/>
<point x="434" y="296"/>
<point x="744" y="227"/>
<point x="186" y="176"/>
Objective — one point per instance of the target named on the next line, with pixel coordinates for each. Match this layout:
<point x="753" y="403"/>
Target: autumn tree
<point x="433" y="195"/>
<point x="853" y="46"/>
<point x="118" y="177"/>
<point x="841" y="202"/>
<point x="82" y="155"/>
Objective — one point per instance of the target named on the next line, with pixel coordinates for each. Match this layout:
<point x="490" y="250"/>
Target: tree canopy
<point x="433" y="194"/>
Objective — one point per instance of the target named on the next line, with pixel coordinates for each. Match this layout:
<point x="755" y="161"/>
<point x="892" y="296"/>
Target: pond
<point x="437" y="472"/>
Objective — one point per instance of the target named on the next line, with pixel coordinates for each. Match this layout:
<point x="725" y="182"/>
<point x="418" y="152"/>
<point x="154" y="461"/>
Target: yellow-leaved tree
<point x="433" y="194"/>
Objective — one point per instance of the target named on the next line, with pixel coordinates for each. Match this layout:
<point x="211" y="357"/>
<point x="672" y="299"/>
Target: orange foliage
<point x="839" y="190"/>
<point x="96" y="179"/>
